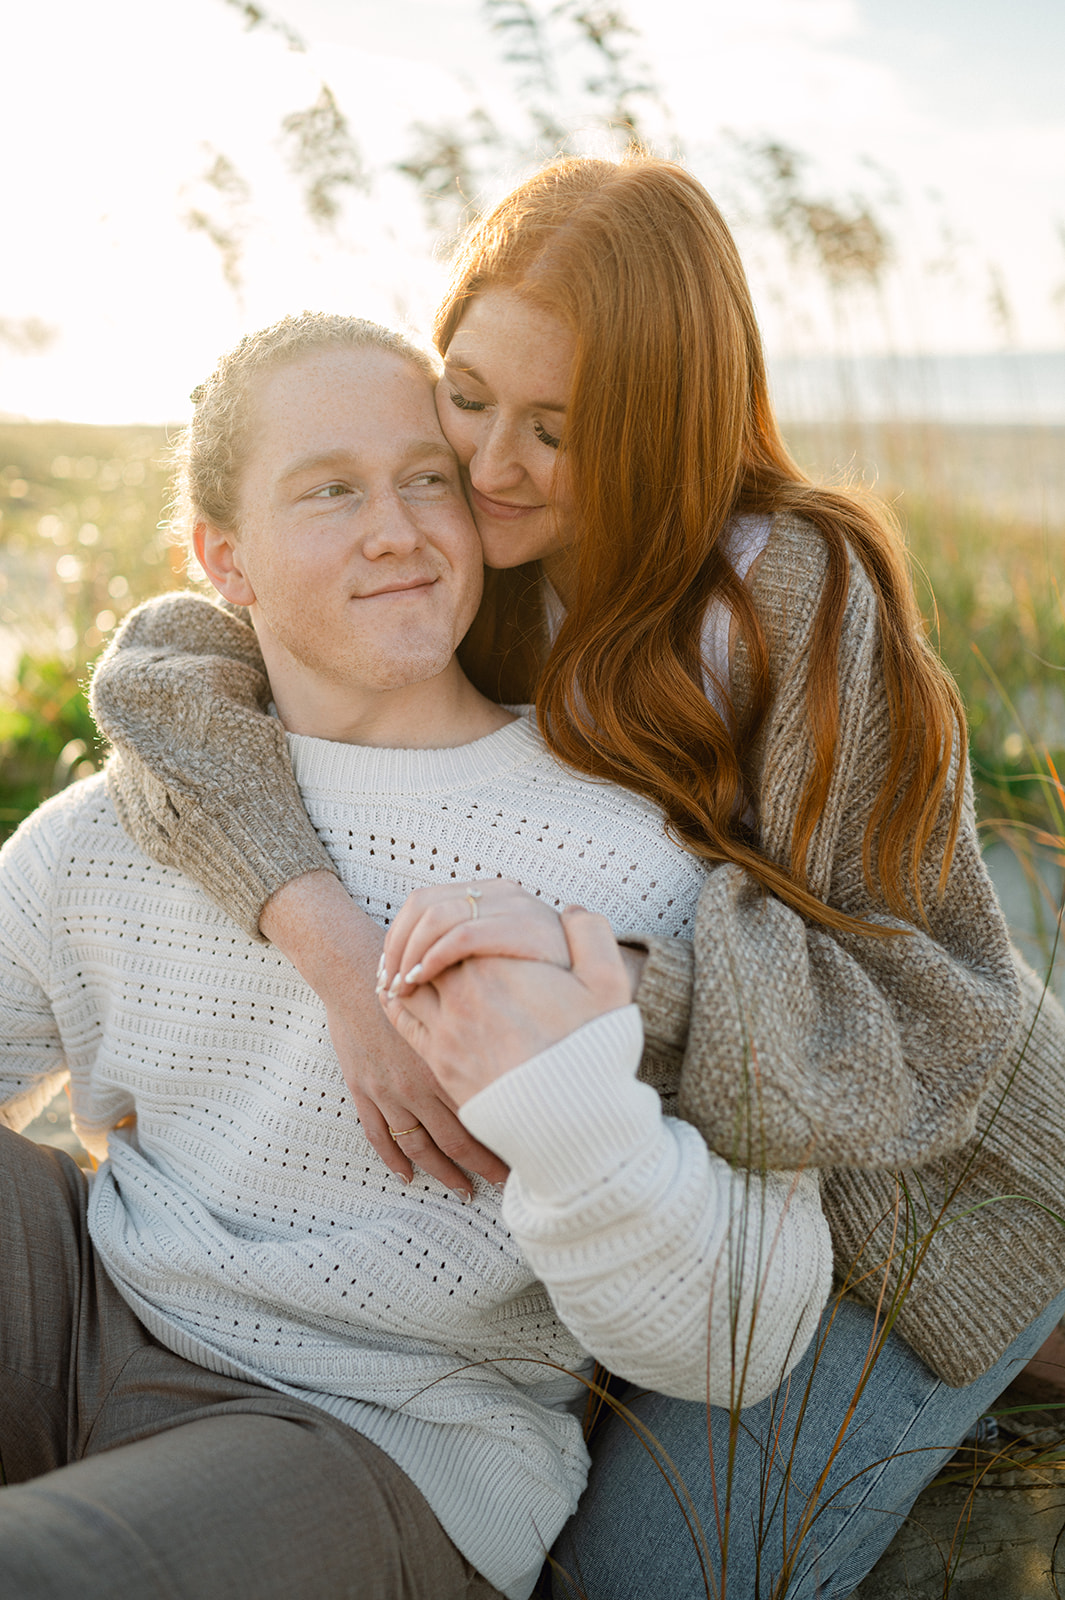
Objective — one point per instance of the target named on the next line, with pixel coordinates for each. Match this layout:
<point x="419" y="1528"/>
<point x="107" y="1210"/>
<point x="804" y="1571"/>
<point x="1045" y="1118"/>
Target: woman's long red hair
<point x="669" y="435"/>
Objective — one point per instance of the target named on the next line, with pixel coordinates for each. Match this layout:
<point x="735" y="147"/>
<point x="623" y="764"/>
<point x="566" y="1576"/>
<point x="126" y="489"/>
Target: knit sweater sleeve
<point x="32" y="1061"/>
<point x="673" y="1269"/>
<point x="200" y="775"/>
<point x="807" y="1044"/>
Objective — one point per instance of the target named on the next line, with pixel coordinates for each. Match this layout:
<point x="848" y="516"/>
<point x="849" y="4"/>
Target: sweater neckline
<point x="323" y="764"/>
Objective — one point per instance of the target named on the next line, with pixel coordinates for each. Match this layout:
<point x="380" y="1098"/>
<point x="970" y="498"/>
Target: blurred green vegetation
<point x="80" y="543"/>
<point x="983" y="510"/>
<point x="1000" y="624"/>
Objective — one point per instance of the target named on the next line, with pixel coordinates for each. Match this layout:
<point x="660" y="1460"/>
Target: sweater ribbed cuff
<point x="568" y="1117"/>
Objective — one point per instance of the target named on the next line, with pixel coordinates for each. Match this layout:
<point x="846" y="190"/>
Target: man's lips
<point x="405" y="587"/>
<point x="505" y="510"/>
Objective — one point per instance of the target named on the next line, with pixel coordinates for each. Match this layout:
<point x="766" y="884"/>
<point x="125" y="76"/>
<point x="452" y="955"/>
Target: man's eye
<point x="464" y="404"/>
<point x="433" y="482"/>
<point x="545" y="437"/>
<point x="330" y="491"/>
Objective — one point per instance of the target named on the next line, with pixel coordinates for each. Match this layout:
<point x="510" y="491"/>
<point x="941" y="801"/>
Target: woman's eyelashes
<point x="464" y="404"/>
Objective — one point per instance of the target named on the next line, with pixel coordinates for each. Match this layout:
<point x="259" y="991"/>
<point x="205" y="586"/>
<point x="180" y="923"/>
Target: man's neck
<point x="439" y="714"/>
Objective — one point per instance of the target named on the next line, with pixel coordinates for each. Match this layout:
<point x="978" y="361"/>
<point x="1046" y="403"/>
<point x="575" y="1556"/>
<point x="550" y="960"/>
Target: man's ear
<point x="220" y="558"/>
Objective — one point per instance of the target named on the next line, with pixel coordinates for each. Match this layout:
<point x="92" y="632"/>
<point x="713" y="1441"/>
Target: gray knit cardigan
<point x="925" y="1073"/>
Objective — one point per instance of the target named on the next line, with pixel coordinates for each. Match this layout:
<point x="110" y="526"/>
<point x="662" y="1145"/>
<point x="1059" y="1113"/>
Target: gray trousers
<point x="132" y="1474"/>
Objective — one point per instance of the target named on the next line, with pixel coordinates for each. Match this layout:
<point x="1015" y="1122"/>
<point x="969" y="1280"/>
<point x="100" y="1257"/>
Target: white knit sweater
<point x="251" y="1226"/>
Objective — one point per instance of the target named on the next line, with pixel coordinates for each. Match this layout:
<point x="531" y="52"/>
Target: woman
<point x="700" y="623"/>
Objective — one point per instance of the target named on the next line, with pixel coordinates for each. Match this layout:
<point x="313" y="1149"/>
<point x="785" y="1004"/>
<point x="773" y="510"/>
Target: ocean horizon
<point x="1019" y="388"/>
<point x="1005" y="388"/>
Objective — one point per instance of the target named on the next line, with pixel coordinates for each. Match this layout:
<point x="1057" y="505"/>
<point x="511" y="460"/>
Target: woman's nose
<point x="495" y="463"/>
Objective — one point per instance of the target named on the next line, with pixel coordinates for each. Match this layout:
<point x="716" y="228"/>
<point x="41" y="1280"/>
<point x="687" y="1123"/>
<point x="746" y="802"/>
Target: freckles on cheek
<point x="460" y="435"/>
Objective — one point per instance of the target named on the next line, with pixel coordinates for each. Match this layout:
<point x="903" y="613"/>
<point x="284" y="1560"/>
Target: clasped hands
<point x="478" y="978"/>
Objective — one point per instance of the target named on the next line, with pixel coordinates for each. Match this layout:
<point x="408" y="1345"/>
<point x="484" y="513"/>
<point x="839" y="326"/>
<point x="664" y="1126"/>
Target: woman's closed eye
<point x="463" y="404"/>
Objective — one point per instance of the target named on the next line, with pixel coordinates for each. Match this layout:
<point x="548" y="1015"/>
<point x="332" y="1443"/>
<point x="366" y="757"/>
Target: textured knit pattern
<point x="937" y="1051"/>
<point x="206" y="784"/>
<point x="866" y="1056"/>
<point x="250" y="1225"/>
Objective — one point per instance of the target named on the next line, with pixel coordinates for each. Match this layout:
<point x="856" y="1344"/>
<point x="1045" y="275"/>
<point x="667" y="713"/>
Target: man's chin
<point x="402" y="671"/>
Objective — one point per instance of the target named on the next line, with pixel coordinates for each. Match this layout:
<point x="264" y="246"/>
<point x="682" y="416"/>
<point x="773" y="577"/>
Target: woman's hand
<point x="480" y="1019"/>
<point x="336" y="947"/>
<point x="438" y="928"/>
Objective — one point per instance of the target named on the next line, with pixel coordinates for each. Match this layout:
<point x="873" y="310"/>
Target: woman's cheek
<point x="457" y="428"/>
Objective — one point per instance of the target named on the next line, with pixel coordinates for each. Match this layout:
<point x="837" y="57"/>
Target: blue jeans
<point x="628" y="1539"/>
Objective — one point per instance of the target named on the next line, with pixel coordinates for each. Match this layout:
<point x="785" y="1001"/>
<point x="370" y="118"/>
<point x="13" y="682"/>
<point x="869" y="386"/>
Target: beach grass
<point x="983" y="513"/>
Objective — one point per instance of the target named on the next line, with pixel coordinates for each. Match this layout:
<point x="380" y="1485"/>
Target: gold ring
<point x="473" y="895"/>
<point x="402" y="1134"/>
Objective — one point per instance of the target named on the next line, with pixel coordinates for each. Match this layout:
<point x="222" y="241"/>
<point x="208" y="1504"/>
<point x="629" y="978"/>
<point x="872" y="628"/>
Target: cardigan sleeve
<point x="798" y="1044"/>
<point x="200" y="774"/>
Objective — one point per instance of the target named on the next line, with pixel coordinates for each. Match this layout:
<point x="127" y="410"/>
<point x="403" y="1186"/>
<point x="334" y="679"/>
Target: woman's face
<point x="502" y="404"/>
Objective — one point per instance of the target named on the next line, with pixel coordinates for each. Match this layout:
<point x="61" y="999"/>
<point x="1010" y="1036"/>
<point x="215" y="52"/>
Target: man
<point x="250" y="1359"/>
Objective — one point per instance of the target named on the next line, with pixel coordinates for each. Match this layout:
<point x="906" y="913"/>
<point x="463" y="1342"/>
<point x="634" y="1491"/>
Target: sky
<point x="946" y="115"/>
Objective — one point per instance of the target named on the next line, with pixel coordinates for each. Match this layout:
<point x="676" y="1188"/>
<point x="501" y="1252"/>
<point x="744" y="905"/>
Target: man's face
<point x="354" y="536"/>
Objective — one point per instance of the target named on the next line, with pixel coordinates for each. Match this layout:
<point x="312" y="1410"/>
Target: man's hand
<point x="336" y="948"/>
<point x="482" y="1018"/>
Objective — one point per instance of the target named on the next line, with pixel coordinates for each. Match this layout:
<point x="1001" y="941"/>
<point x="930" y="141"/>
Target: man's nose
<point x="389" y="528"/>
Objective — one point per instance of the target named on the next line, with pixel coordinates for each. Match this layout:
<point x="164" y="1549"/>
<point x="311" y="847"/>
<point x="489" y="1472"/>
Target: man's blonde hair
<point x="210" y="452"/>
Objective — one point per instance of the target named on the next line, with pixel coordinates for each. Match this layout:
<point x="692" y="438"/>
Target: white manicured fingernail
<point x="414" y="974"/>
<point x="381" y="967"/>
<point x="393" y="988"/>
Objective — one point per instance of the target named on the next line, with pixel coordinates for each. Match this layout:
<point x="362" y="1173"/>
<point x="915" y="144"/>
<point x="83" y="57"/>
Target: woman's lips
<point x="504" y="510"/>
